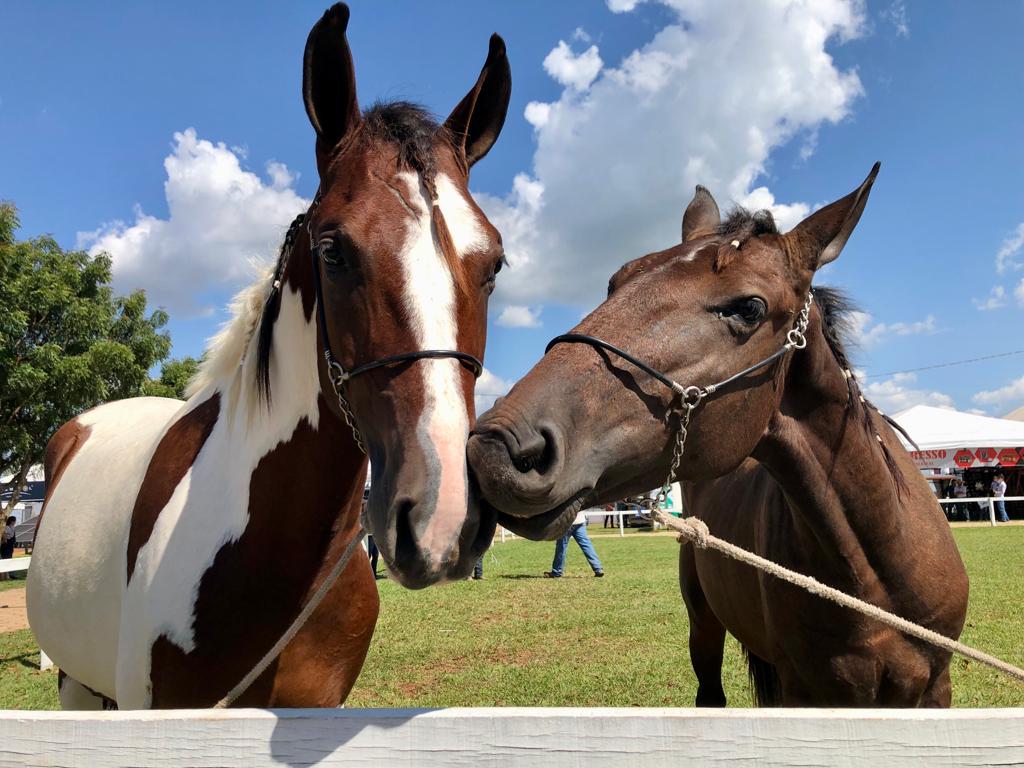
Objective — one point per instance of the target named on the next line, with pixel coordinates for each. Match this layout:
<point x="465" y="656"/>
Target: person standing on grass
<point x="578" y="531"/>
<point x="999" y="491"/>
<point x="7" y="542"/>
<point x="960" y="492"/>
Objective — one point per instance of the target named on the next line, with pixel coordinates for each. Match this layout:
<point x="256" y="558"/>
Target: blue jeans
<point x="478" y="569"/>
<point x="578" y="532"/>
<point x="372" y="552"/>
<point x="1001" y="511"/>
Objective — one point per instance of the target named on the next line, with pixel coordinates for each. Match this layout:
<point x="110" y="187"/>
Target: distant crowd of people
<point x="972" y="510"/>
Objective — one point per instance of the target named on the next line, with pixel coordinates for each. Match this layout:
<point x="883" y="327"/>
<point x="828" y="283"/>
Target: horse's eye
<point x="492" y="278"/>
<point x="751" y="310"/>
<point x="330" y="253"/>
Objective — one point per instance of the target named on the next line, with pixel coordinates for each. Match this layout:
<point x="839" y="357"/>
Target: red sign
<point x="963" y="458"/>
<point x="986" y="455"/>
<point x="1008" y="457"/>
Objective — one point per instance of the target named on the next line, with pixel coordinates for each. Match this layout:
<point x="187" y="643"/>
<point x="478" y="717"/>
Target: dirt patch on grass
<point x="12" y="610"/>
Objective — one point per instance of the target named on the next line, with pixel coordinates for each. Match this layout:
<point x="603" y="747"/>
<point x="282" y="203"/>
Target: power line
<point x="947" y="365"/>
<point x="887" y="373"/>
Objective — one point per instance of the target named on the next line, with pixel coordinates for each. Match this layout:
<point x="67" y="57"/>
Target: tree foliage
<point x="66" y="342"/>
<point x="175" y="376"/>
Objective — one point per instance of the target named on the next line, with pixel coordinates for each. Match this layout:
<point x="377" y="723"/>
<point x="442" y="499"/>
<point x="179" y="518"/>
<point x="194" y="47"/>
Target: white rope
<point x="696" y="531"/>
<point x="296" y="625"/>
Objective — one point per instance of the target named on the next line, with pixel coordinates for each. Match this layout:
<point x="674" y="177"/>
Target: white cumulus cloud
<point x="489" y="388"/>
<point x="221" y="220"/>
<point x="1007" y="257"/>
<point x="571" y="69"/>
<point x="515" y="316"/>
<point x="866" y="332"/>
<point x="995" y="300"/>
<point x="898" y="392"/>
<point x="706" y="100"/>
<point x="896" y="14"/>
<point x="1007" y="397"/>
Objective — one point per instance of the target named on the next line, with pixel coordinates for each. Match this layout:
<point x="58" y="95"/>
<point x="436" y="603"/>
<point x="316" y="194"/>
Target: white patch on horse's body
<point x="210" y="506"/>
<point x="443" y="427"/>
<point x="78" y="572"/>
<point x="99" y="630"/>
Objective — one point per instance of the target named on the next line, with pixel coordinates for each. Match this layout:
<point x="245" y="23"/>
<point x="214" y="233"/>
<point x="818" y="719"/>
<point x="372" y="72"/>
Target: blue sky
<point x="150" y="115"/>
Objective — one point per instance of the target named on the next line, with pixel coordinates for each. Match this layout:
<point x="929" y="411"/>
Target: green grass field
<point x="519" y="639"/>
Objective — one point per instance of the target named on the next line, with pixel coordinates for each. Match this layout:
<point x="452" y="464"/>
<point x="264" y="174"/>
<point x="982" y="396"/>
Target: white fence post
<point x="992" y="510"/>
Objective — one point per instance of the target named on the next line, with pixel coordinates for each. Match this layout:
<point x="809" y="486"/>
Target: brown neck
<point x="825" y="453"/>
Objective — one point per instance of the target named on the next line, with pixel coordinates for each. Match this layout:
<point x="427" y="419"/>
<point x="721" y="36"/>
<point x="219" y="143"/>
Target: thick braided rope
<point x="696" y="531"/>
<point x="296" y="625"/>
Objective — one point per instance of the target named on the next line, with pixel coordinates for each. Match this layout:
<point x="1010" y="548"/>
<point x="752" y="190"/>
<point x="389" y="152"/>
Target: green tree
<point x="66" y="342"/>
<point x="175" y="376"/>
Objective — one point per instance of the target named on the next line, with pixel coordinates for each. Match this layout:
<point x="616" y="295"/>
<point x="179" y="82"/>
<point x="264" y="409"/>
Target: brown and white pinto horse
<point x="179" y="540"/>
<point x="809" y="475"/>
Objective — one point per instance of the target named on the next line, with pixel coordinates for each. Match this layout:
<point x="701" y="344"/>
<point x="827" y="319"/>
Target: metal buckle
<point x="337" y="374"/>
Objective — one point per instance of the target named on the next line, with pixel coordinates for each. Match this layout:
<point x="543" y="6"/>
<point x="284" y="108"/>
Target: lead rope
<point x="296" y="625"/>
<point x="695" y="531"/>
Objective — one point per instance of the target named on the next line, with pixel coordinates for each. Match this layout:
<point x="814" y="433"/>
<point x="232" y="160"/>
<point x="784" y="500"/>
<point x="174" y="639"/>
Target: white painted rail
<point x="990" y="501"/>
<point x="529" y="737"/>
<point x="14" y="564"/>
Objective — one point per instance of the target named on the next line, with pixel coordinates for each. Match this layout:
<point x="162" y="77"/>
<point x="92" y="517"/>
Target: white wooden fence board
<point x="534" y="737"/>
<point x="13" y="564"/>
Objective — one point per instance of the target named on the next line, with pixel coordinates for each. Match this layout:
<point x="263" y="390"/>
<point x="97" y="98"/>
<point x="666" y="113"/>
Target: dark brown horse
<point x="788" y="460"/>
<point x="180" y="540"/>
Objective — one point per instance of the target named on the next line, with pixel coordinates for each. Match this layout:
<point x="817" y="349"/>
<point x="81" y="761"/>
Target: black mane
<point x="409" y="127"/>
<point x="836" y="309"/>
<point x="742" y="224"/>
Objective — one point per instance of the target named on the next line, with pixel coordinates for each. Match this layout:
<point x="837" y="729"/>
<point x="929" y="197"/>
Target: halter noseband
<point x="337" y="373"/>
<point x="692" y="396"/>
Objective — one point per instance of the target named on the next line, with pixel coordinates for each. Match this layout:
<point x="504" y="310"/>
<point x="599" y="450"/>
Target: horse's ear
<point x="702" y="216"/>
<point x="329" y="82"/>
<point x="476" y="122"/>
<point x="825" y="232"/>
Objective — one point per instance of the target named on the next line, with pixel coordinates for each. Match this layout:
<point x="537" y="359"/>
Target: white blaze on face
<point x="430" y="303"/>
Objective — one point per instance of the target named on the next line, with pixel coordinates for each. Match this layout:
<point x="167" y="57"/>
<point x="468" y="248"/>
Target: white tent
<point x="948" y="438"/>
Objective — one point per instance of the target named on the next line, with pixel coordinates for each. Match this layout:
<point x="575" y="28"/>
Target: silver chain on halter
<point x="691" y="397"/>
<point x="338" y="377"/>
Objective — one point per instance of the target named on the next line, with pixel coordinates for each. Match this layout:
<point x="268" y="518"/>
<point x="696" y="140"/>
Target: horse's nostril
<point x="538" y="455"/>
<point x="405" y="539"/>
<point x="525" y="463"/>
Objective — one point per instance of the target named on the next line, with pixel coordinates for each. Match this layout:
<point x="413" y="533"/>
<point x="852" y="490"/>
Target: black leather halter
<point x="692" y="395"/>
<point x="337" y="373"/>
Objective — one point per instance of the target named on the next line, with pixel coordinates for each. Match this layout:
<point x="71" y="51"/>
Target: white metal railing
<point x="989" y="500"/>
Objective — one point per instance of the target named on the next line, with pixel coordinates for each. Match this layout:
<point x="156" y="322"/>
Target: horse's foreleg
<point x="939" y="693"/>
<point x="75" y="696"/>
<point x="707" y="635"/>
